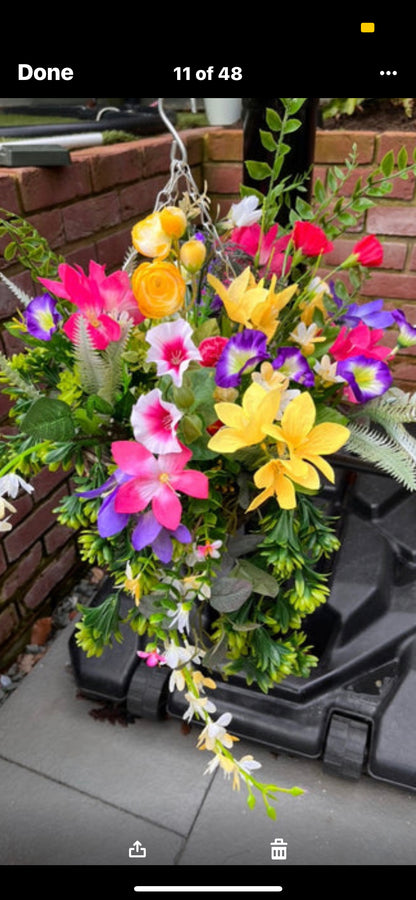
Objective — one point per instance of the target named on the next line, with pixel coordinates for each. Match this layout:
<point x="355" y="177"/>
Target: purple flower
<point x="366" y="377"/>
<point x="293" y="364"/>
<point x="149" y="532"/>
<point x="109" y="522"/>
<point x="407" y="332"/>
<point x="372" y="314"/>
<point x="241" y="353"/>
<point x="42" y="317"/>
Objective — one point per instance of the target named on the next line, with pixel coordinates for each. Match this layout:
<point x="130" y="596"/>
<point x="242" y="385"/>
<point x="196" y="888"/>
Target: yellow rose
<point x="173" y="221"/>
<point x="192" y="255"/>
<point x="149" y="238"/>
<point x="158" y="288"/>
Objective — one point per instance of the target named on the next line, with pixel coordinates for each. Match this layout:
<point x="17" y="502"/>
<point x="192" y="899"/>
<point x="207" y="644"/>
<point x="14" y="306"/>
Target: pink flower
<point x="369" y="251"/>
<point x="172" y="349"/>
<point x="154" y="422"/>
<point x="310" y="239"/>
<point x="152" y="658"/>
<point x="156" y="481"/>
<point x="272" y="251"/>
<point x="210" y="350"/>
<point x="360" y="341"/>
<point x="100" y="300"/>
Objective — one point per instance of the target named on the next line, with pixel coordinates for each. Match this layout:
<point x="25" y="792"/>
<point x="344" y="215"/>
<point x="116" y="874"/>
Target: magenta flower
<point x="359" y="341"/>
<point x="172" y="349"/>
<point x="100" y="300"/>
<point x="42" y="317"/>
<point x="241" y="353"/>
<point x="154" y="422"/>
<point x="271" y="250"/>
<point x="156" y="482"/>
<point x="152" y="658"/>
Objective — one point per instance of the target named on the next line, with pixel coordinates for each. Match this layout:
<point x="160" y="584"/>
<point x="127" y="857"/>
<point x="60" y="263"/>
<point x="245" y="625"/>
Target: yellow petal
<point x="298" y="419"/>
<point x="226" y="440"/>
<point x="326" y="438"/>
<point x="230" y="414"/>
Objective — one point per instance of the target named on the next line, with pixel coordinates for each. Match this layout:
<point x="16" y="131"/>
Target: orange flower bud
<point x="158" y="288"/>
<point x="192" y="255"/>
<point x="173" y="221"/>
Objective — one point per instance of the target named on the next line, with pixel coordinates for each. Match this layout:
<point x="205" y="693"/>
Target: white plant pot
<point x="221" y="111"/>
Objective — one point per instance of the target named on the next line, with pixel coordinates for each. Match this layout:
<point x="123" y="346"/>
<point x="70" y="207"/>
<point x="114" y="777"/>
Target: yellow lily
<point x="245" y="425"/>
<point x="251" y="304"/>
<point x="275" y="480"/>
<point x="265" y="315"/>
<point x="241" y="296"/>
<point x="302" y="440"/>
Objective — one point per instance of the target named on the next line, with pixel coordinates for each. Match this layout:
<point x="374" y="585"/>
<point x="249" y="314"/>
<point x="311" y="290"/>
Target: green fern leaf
<point x="384" y="453"/>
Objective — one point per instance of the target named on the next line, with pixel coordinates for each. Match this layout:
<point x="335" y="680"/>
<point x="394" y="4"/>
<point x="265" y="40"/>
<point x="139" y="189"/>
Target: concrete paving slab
<point x="49" y="824"/>
<point x="45" y="727"/>
<point x="334" y="823"/>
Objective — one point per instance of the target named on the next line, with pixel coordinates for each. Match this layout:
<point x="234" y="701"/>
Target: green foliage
<point x="279" y="188"/>
<point x="27" y="246"/>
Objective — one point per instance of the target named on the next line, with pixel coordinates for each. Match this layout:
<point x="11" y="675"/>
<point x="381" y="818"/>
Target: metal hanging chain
<point x="181" y="183"/>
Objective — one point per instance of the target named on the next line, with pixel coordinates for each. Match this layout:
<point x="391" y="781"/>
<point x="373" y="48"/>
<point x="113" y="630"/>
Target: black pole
<point x="302" y="144"/>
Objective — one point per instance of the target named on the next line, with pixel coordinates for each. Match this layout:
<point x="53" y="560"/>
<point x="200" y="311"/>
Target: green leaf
<point x="10" y="250"/>
<point x="291" y="125"/>
<point x="273" y="119"/>
<point x="402" y="158"/>
<point x="261" y="582"/>
<point x="49" y="420"/>
<point x="303" y="209"/>
<point x="387" y="163"/>
<point x="319" y="191"/>
<point x="258" y="170"/>
<point x="229" y="594"/>
<point x="295" y="104"/>
<point x="268" y="140"/>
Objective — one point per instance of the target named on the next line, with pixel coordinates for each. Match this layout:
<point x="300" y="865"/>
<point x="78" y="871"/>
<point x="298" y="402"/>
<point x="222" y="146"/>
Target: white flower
<point x="5" y="506"/>
<point x="179" y="617"/>
<point x="327" y="370"/>
<point x="197" y="707"/>
<point x="200" y="552"/>
<point x="216" y="731"/>
<point x="11" y="483"/>
<point x="245" y="212"/>
<point x="248" y="763"/>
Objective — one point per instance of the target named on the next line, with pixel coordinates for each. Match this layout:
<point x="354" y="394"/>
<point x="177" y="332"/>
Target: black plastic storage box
<point x="357" y="710"/>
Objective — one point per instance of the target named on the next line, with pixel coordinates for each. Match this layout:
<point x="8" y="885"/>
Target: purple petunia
<point x="241" y="353"/>
<point x="294" y="366"/>
<point x="42" y="317"/>
<point x="407" y="332"/>
<point x="366" y="377"/>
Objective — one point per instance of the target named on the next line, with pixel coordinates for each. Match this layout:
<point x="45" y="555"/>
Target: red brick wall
<point x="86" y="211"/>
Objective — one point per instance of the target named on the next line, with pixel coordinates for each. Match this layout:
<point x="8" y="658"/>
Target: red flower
<point x="211" y="349"/>
<point x="212" y="429"/>
<point x="310" y="239"/>
<point x="369" y="251"/>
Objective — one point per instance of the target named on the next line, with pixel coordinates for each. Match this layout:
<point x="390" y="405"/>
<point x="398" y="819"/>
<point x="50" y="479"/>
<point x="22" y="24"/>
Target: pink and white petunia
<point x="154" y="422"/>
<point x="172" y="349"/>
<point x="156" y="481"/>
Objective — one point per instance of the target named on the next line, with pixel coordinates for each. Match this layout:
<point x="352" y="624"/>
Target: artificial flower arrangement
<point x="199" y="394"/>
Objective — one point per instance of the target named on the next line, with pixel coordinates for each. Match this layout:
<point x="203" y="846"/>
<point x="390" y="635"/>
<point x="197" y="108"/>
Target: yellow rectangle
<point x="367" y="26"/>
